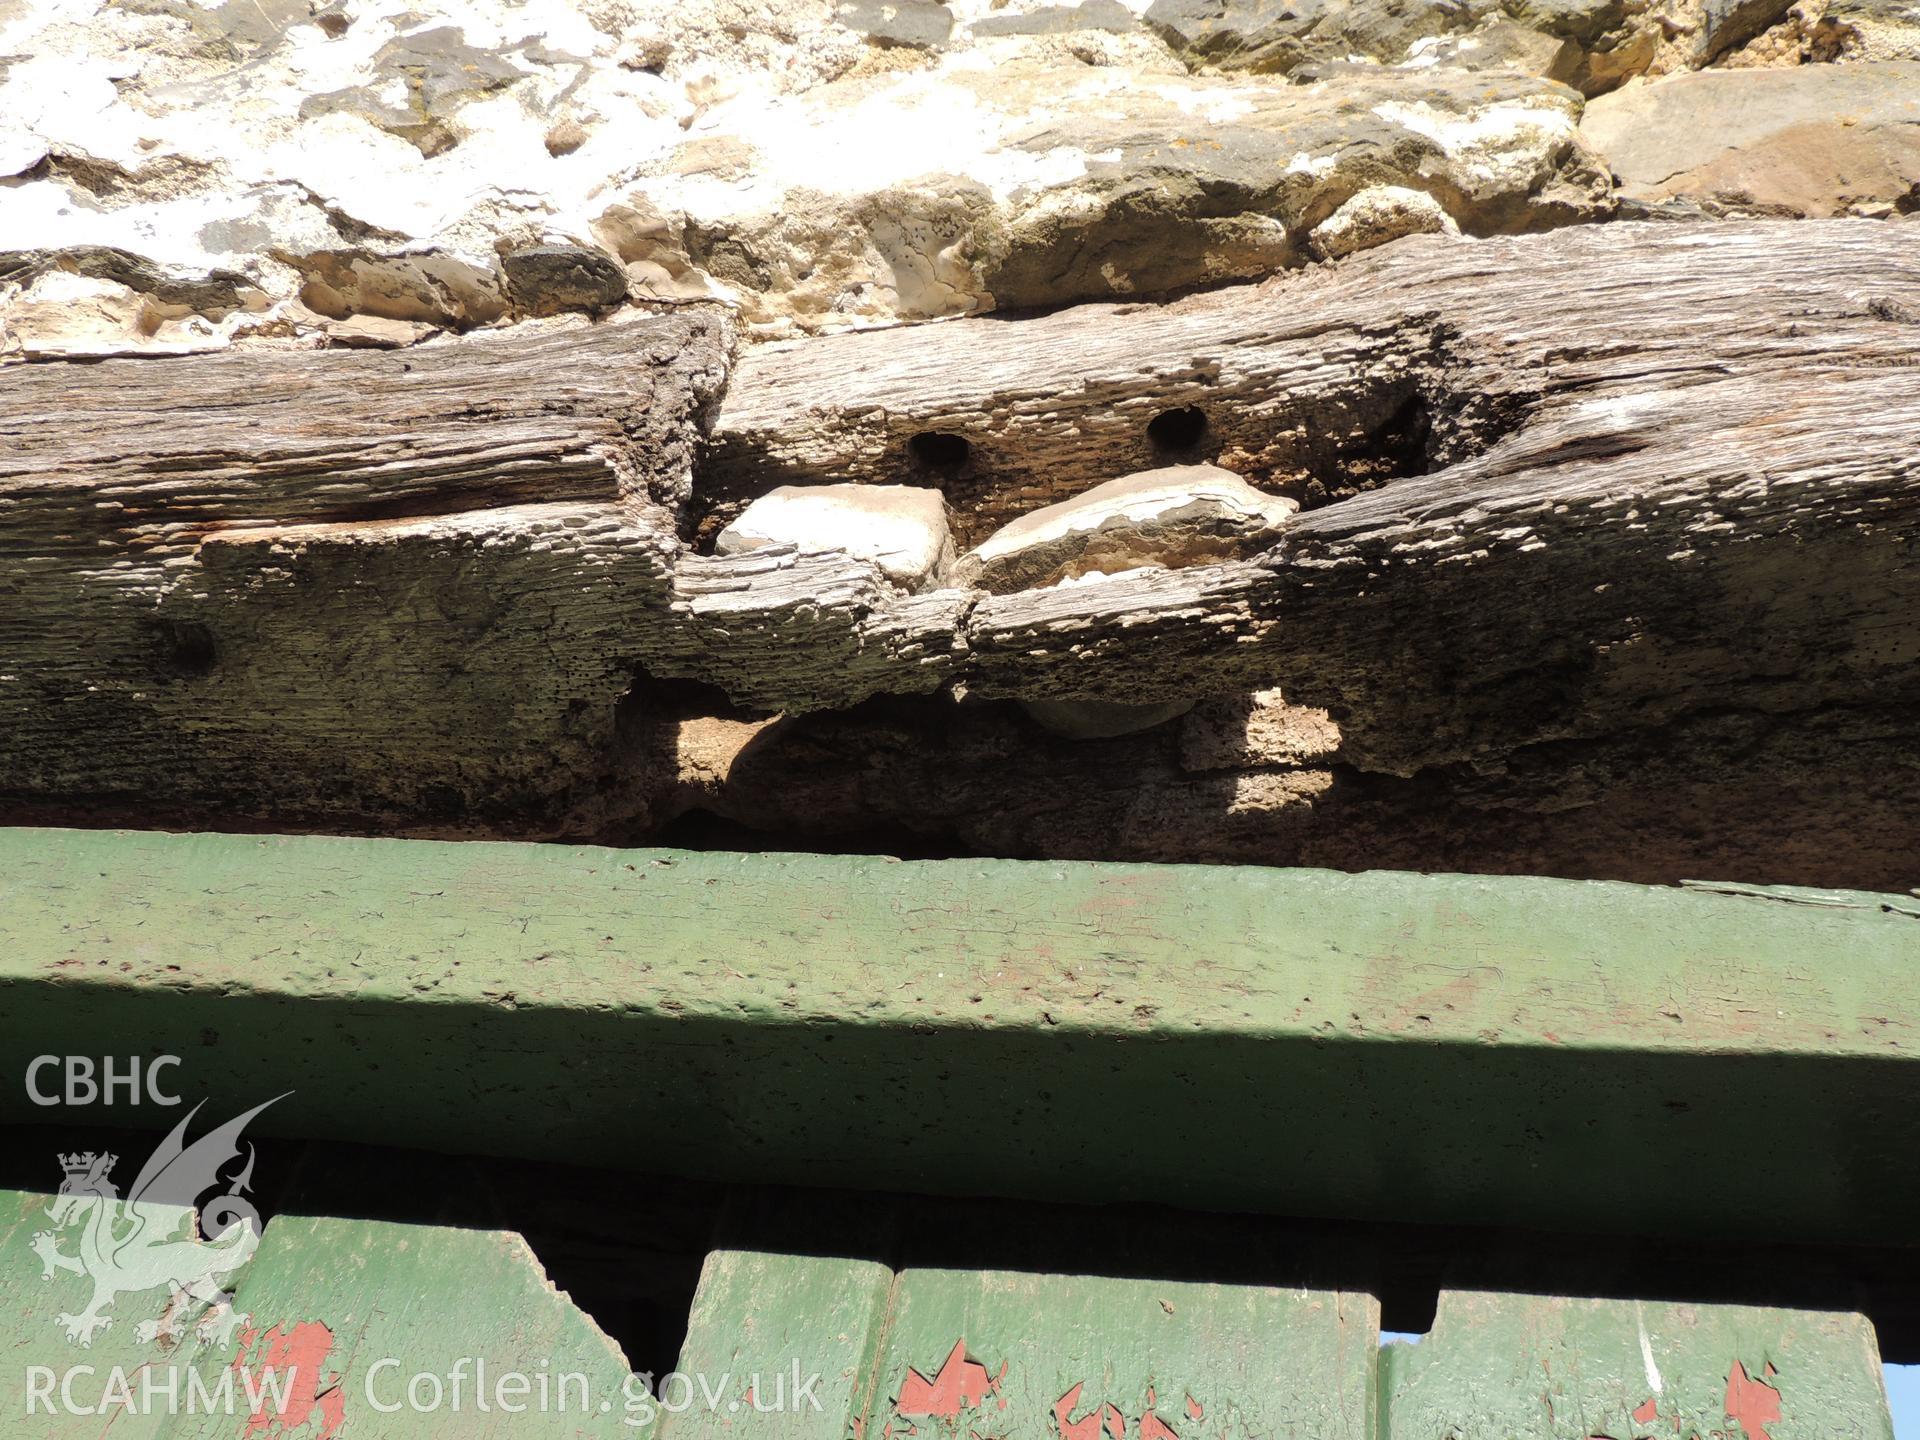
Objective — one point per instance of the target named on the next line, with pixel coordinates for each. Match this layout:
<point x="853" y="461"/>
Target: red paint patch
<point x="1152" y="1427"/>
<point x="1063" y="1407"/>
<point x="1753" y="1403"/>
<point x="961" y="1384"/>
<point x="1196" y="1409"/>
<point x="1088" y="1427"/>
<point x="283" y="1375"/>
<point x="1648" y="1412"/>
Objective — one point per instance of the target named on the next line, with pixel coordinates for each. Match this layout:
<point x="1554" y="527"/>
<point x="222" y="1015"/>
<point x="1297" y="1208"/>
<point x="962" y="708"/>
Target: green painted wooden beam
<point x="346" y="1329"/>
<point x="1433" y="1048"/>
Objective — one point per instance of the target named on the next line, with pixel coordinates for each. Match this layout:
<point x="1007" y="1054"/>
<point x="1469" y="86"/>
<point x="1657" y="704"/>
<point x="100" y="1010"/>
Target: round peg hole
<point x="938" y="450"/>
<point x="1177" y="431"/>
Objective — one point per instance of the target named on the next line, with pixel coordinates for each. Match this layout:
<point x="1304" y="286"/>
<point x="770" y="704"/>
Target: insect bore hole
<point x="938" y="450"/>
<point x="185" y="647"/>
<point x="1174" y="432"/>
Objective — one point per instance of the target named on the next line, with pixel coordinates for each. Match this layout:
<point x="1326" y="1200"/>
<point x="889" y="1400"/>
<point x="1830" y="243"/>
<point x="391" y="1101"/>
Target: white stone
<point x="20" y="150"/>
<point x="900" y="528"/>
<point x="62" y="316"/>
<point x="1376" y="215"/>
<point x="377" y="332"/>
<point x="1167" y="518"/>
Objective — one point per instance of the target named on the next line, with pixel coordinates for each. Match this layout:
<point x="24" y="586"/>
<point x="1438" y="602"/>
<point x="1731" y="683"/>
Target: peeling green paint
<point x="366" y="1330"/>
<point x="335" y="1319"/>
<point x="1091" y="1357"/>
<point x="1539" y="1367"/>
<point x="1432" y="1048"/>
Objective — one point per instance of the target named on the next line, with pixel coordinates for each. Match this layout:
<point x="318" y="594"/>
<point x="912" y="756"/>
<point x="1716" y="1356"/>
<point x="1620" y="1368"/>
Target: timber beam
<point x="1442" y="1049"/>
<point x="436" y="588"/>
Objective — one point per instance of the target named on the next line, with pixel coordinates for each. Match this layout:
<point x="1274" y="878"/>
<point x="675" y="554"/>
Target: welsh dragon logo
<point x="150" y="1238"/>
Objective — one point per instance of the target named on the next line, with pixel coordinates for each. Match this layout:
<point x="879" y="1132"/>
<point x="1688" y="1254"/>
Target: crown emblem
<point x="87" y="1163"/>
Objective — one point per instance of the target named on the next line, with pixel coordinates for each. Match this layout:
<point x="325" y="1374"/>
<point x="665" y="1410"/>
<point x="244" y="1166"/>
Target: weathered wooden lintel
<point x="426" y="599"/>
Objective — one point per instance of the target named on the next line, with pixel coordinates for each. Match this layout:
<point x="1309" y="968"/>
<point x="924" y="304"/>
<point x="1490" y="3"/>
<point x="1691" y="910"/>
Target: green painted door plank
<point x="335" y="1319"/>
<point x="1434" y="1048"/>
<point x="458" y="1331"/>
<point x="778" y="1345"/>
<point x="785" y="1329"/>
<point x="1530" y="1367"/>
<point x="51" y="1384"/>
<point x="1008" y="1355"/>
<point x="331" y="1320"/>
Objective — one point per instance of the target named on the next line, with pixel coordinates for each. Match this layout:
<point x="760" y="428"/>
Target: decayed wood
<point x="389" y="586"/>
<point x="168" y="451"/>
<point x="1827" y="797"/>
<point x="1569" y="494"/>
<point x="1316" y="383"/>
<point x="1712" y="502"/>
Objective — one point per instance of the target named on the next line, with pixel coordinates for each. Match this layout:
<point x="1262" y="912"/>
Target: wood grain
<point x="1714" y="504"/>
<point x="1578" y="504"/>
<point x="343" y="584"/>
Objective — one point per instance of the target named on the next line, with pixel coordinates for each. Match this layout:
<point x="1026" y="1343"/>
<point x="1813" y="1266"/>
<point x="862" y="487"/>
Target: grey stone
<point x="1504" y="44"/>
<point x="428" y="285"/>
<point x="1277" y="36"/>
<point x="1583" y="21"/>
<point x="553" y="279"/>
<point x="376" y="332"/>
<point x="1730" y="24"/>
<point x="439" y="70"/>
<point x="1167" y="212"/>
<point x="443" y="67"/>
<point x="1618" y="40"/>
<point x="212" y="292"/>
<point x="1377" y="215"/>
<point x="1192" y="180"/>
<point x="900" y="528"/>
<point x="777" y="161"/>
<point x="1107" y="15"/>
<point x="919" y="24"/>
<point x="237" y="30"/>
